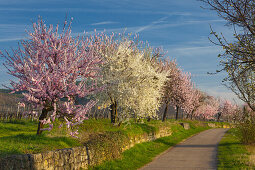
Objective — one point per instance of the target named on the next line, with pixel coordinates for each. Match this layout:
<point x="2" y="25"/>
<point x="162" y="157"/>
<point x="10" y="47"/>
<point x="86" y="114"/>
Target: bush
<point x="246" y="126"/>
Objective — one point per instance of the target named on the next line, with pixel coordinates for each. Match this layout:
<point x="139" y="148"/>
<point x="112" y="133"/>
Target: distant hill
<point x="5" y="91"/>
<point x="12" y="99"/>
<point x="7" y="99"/>
<point x="8" y="91"/>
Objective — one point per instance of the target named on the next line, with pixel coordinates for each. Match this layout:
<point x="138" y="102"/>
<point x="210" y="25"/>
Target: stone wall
<point x="93" y="153"/>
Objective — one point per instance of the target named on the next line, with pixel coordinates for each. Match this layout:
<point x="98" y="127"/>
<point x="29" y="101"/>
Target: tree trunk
<point x="192" y="113"/>
<point x="165" y="113"/>
<point x="114" y="113"/>
<point x="177" y="112"/>
<point x="135" y="117"/>
<point x="40" y="124"/>
<point x="187" y="116"/>
<point x="218" y="118"/>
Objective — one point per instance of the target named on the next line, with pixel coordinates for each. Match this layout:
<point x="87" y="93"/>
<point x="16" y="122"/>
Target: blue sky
<point x="180" y="27"/>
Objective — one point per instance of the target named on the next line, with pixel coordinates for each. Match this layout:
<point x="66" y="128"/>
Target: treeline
<point x="118" y="72"/>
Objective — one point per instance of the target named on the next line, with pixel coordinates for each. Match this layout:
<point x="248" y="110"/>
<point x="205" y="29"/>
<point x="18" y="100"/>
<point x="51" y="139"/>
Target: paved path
<point x="198" y="152"/>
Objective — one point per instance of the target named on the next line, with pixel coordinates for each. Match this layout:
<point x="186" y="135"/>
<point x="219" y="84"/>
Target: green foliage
<point x="246" y="130"/>
<point x="106" y="146"/>
<point x="246" y="125"/>
<point x="232" y="154"/>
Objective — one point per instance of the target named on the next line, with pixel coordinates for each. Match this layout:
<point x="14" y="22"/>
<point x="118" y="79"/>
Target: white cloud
<point x="11" y="39"/>
<point x="12" y="32"/>
<point x="84" y="10"/>
<point x="205" y="21"/>
<point x="142" y="28"/>
<point x="104" y="23"/>
<point x="161" y="23"/>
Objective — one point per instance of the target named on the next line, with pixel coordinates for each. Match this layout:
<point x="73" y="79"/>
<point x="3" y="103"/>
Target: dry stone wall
<point x="74" y="158"/>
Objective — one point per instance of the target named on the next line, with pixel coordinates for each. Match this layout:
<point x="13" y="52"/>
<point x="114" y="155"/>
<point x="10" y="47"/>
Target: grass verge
<point x="19" y="137"/>
<point x="232" y="154"/>
<point x="143" y="153"/>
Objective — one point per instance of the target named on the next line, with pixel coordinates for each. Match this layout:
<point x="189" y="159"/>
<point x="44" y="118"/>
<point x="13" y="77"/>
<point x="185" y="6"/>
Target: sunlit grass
<point x="17" y="137"/>
<point x="232" y="154"/>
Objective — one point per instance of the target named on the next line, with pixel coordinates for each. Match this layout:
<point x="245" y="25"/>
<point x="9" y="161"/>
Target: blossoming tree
<point x="227" y="110"/>
<point x="208" y="109"/>
<point x="193" y="102"/>
<point x="178" y="89"/>
<point x="133" y="79"/>
<point x="53" y="70"/>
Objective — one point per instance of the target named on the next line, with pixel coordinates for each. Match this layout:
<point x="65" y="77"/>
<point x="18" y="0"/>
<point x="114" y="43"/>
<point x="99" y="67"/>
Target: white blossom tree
<point x="133" y="79"/>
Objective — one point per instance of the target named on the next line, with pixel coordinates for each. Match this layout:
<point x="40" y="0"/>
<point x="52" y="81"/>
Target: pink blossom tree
<point x="227" y="110"/>
<point x="53" y="70"/>
<point x="193" y="102"/>
<point x="208" y="108"/>
<point x="178" y="89"/>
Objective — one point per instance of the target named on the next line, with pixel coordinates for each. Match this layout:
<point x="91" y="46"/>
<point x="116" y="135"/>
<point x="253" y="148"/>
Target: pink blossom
<point x="50" y="66"/>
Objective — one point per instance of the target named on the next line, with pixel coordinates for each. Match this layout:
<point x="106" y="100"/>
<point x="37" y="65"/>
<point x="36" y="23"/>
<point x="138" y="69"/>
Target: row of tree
<point x="55" y="70"/>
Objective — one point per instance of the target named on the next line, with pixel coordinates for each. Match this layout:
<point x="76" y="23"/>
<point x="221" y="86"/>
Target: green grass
<point x="143" y="153"/>
<point x="232" y="154"/>
<point x="18" y="137"/>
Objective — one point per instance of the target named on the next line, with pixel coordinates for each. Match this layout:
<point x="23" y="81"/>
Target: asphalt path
<point x="195" y="153"/>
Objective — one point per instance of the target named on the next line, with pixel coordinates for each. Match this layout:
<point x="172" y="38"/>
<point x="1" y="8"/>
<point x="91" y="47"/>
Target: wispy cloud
<point x="161" y="23"/>
<point x="205" y="21"/>
<point x="12" y="32"/>
<point x="104" y="23"/>
<point x="142" y="28"/>
<point x="86" y="10"/>
<point x="6" y="28"/>
<point x="11" y="39"/>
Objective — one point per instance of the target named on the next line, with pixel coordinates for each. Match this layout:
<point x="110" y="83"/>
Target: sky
<point x="180" y="27"/>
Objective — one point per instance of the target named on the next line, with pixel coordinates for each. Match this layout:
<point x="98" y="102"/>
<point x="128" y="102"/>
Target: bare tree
<point x="238" y="59"/>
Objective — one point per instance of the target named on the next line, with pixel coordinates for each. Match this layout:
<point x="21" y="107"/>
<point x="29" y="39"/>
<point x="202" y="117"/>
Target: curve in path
<point x="198" y="152"/>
